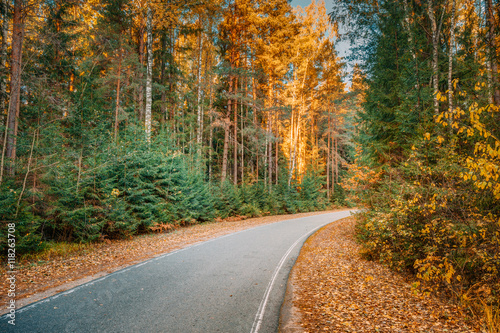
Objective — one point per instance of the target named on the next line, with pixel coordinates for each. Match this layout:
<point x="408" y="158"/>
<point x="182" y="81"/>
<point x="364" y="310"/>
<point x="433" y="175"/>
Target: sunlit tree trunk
<point x="269" y="136"/>
<point x="276" y="159"/>
<point x="227" y="122"/>
<point x="225" y="150"/>
<point x="242" y="152"/>
<point x="171" y="83"/>
<point x="15" y="81"/>
<point x="199" y="132"/>
<point x="328" y="159"/>
<point x="149" y="77"/>
<point x="211" y="133"/>
<point x="276" y="146"/>
<point x="293" y="147"/>
<point x="254" y="100"/>
<point x="336" y="154"/>
<point x="290" y="147"/>
<point x="3" y="83"/>
<point x="295" y="143"/>
<point x="235" y="134"/>
<point x="3" y="56"/>
<point x="435" y="54"/>
<point x="332" y="164"/>
<point x="140" y="90"/>
<point x="450" y="61"/>
<point x="162" y="80"/>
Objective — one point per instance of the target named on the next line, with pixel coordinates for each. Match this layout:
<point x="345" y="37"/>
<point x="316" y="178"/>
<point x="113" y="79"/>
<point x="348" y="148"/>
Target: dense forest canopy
<point x="121" y="116"/>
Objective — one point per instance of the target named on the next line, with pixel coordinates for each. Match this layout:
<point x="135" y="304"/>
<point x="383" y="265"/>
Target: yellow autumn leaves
<point x="483" y="164"/>
<point x="440" y="97"/>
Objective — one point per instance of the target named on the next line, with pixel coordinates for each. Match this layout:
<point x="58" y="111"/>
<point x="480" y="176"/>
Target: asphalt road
<point x="234" y="283"/>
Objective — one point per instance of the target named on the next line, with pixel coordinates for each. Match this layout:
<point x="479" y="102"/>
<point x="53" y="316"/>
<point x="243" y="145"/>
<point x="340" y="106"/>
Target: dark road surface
<point x="234" y="283"/>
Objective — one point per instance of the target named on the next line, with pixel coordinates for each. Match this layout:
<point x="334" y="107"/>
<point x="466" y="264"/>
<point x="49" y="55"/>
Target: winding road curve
<point x="234" y="283"/>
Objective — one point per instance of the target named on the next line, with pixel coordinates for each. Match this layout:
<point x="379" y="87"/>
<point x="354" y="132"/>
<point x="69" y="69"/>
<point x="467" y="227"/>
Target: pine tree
<point x="12" y="121"/>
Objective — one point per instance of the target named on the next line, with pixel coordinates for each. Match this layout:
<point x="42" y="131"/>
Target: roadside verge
<point x="333" y="289"/>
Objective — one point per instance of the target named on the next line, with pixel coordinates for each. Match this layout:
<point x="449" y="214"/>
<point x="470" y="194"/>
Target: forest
<point x="122" y="117"/>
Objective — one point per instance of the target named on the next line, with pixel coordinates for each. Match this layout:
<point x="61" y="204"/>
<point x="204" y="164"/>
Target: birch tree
<point x="199" y="132"/>
<point x="450" y="58"/>
<point x="435" y="53"/>
<point x="149" y="75"/>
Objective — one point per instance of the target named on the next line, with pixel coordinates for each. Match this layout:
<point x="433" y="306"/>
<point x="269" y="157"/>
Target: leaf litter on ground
<point x="335" y="290"/>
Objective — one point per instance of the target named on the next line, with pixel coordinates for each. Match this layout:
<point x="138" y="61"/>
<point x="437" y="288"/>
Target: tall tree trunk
<point x="490" y="15"/>
<point x="242" y="152"/>
<point x="3" y="82"/>
<point x="225" y="150"/>
<point x="15" y="81"/>
<point x="118" y="83"/>
<point x="295" y="144"/>
<point x="293" y="147"/>
<point x="336" y="154"/>
<point x="199" y="133"/>
<point x="254" y="101"/>
<point x="211" y="133"/>
<point x="3" y="56"/>
<point x="162" y="79"/>
<point x="149" y="77"/>
<point x="328" y="159"/>
<point x="276" y="160"/>
<point x="490" y="81"/>
<point x="411" y="43"/>
<point x="235" y="134"/>
<point x="276" y="143"/>
<point x="269" y="150"/>
<point x="140" y="92"/>
<point x="171" y="84"/>
<point x="435" y="54"/>
<point x="332" y="163"/>
<point x="270" y="135"/>
<point x="227" y="124"/>
<point x="450" y="62"/>
<point x="290" y="148"/>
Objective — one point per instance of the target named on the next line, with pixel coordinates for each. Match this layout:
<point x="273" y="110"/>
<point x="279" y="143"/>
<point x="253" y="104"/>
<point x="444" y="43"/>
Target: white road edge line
<point x="262" y="308"/>
<point x="168" y="254"/>
<point x="70" y="291"/>
<point x="67" y="292"/>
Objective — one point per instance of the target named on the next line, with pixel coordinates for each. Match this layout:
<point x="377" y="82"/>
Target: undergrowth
<point x="436" y="213"/>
